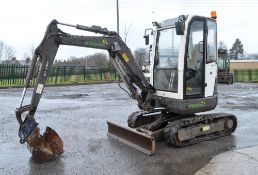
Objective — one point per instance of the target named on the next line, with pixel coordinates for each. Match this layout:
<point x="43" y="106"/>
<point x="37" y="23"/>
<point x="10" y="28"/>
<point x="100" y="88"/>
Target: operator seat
<point x="195" y="58"/>
<point x="195" y="62"/>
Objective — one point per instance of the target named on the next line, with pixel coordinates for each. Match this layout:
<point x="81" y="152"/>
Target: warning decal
<point x="39" y="88"/>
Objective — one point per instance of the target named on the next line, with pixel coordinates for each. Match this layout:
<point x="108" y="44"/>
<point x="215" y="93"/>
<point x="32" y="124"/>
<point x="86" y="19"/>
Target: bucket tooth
<point x="131" y="137"/>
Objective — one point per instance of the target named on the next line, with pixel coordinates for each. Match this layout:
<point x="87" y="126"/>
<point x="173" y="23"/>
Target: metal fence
<point x="14" y="75"/>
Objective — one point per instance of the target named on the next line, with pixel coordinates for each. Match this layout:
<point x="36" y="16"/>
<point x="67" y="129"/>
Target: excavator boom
<point x="44" y="56"/>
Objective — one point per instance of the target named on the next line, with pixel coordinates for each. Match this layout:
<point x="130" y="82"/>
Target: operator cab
<point x="223" y="59"/>
<point x="184" y="63"/>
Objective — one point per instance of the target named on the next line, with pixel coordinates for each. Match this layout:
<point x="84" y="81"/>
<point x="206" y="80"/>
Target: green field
<point x="62" y="80"/>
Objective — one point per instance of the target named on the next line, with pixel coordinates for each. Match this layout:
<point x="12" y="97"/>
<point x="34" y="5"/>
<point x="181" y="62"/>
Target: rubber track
<point x="172" y="128"/>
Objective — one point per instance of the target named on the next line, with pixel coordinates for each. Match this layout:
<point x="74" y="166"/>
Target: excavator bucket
<point x="45" y="147"/>
<point x="131" y="137"/>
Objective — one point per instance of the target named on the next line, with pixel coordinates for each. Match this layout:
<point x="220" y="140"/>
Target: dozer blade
<point x="131" y="137"/>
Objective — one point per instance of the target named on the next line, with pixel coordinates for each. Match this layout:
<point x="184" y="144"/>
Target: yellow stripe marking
<point x="125" y="57"/>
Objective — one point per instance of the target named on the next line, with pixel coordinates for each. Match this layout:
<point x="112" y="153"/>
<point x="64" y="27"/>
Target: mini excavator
<point x="182" y="83"/>
<point x="224" y="74"/>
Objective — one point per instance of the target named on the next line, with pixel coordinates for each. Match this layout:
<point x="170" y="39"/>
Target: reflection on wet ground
<point x="79" y="114"/>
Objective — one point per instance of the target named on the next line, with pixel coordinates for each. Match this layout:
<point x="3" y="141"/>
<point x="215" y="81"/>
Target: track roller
<point x="188" y="131"/>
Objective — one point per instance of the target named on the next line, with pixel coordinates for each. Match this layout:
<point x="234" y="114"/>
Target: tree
<point x="109" y="65"/>
<point x="222" y="45"/>
<point x="6" y="52"/>
<point x="126" y="31"/>
<point x="28" y="60"/>
<point x="236" y="49"/>
<point x="141" y="56"/>
<point x="1" y="49"/>
<point x="9" y="52"/>
<point x="25" y="56"/>
<point x="12" y="60"/>
<point x="97" y="60"/>
<point x="32" y="50"/>
<point x="76" y="60"/>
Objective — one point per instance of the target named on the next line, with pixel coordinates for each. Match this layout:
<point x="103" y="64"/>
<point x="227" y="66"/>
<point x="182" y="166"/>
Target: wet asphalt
<point x="79" y="114"/>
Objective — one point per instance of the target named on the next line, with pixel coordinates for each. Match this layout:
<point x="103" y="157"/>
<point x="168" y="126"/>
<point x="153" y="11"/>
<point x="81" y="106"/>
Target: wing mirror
<point x="180" y="25"/>
<point x="147" y="36"/>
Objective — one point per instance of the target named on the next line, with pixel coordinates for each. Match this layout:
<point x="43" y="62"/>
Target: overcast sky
<point x="23" y="22"/>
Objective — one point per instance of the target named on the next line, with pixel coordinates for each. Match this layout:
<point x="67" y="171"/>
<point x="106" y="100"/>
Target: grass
<point x="61" y="80"/>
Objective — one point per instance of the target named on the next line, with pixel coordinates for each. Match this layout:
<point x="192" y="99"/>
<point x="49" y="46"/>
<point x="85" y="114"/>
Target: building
<point x="243" y="64"/>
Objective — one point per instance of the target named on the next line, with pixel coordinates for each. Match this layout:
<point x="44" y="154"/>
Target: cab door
<point x="194" y="71"/>
<point x="211" y="62"/>
<point x="165" y="72"/>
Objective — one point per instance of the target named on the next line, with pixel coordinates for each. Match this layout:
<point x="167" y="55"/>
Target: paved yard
<point x="79" y="114"/>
